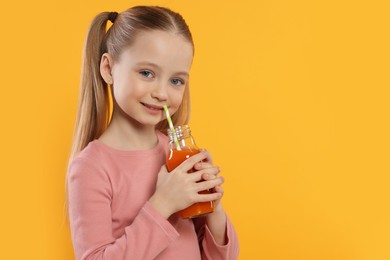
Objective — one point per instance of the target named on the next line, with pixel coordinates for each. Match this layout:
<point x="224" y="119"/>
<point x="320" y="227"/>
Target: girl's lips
<point x="154" y="107"/>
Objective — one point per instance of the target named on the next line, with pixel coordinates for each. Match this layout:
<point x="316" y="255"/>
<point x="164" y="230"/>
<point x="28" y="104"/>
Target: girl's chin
<point x="150" y="123"/>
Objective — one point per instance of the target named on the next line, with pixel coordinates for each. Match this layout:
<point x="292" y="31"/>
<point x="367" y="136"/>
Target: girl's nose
<point x="160" y="93"/>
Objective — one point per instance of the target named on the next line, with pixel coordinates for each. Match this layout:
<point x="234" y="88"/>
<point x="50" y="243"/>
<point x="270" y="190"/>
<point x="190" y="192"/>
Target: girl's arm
<point x="217" y="236"/>
<point x="90" y="203"/>
<point x="216" y="222"/>
<point x="209" y="232"/>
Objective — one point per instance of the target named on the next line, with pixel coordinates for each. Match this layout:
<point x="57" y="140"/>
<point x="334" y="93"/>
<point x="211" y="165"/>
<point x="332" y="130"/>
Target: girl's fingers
<point x="208" y="185"/>
<point x="208" y="159"/>
<point x="211" y="173"/>
<point x="199" y="161"/>
<point x="205" y="175"/>
<point x="208" y="197"/>
<point x="202" y="165"/>
<point x="191" y="161"/>
<point x="219" y="189"/>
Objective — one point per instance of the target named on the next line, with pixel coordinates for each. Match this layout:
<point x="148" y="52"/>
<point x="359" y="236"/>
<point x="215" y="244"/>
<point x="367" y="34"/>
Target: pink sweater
<point x="111" y="219"/>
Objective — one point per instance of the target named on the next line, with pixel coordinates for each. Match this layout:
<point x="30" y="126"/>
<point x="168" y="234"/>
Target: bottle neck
<point x="181" y="132"/>
<point x="184" y="137"/>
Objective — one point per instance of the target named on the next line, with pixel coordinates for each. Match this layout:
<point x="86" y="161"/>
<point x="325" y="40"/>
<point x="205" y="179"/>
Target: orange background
<point x="291" y="98"/>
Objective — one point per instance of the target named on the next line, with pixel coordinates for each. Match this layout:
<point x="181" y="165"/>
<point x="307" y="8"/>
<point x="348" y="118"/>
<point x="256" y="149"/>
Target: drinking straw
<point x="172" y="128"/>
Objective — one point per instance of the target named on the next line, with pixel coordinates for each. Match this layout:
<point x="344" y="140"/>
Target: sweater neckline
<point x="161" y="144"/>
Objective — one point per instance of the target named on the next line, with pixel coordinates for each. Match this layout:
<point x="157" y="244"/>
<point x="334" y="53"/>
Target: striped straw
<point x="172" y="128"/>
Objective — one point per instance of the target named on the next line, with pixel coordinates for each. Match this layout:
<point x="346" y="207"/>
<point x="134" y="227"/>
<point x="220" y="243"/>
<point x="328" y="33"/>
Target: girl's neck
<point x="129" y="135"/>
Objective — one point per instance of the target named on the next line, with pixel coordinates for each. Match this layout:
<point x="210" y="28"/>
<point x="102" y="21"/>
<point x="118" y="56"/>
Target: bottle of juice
<point x="176" y="157"/>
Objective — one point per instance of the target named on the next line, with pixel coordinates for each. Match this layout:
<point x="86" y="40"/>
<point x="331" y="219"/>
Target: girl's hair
<point x="94" y="109"/>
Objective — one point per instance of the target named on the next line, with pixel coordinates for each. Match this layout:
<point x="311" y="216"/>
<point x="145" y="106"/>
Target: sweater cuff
<point x="163" y="223"/>
<point x="209" y="237"/>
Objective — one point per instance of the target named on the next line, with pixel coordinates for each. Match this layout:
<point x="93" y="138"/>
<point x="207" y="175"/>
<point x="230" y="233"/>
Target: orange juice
<point x="175" y="158"/>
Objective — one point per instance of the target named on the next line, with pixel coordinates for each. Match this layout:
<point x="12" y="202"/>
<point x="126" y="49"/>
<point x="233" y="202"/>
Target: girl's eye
<point x="177" y="82"/>
<point x="146" y="73"/>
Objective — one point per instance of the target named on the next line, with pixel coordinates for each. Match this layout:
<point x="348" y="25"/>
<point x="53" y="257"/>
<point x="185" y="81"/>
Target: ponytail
<point x="93" y="113"/>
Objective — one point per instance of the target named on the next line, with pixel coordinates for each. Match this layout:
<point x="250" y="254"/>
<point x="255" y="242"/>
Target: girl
<point x="122" y="200"/>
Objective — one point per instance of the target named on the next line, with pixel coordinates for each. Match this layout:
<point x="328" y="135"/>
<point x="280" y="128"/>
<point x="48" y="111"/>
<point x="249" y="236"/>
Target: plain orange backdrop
<point x="291" y="98"/>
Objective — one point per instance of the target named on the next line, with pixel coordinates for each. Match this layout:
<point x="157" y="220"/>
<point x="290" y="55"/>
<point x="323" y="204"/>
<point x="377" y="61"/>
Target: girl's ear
<point x="106" y="67"/>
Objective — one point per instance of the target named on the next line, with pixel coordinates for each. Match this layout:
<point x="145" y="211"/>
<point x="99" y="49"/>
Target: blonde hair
<point x="94" y="110"/>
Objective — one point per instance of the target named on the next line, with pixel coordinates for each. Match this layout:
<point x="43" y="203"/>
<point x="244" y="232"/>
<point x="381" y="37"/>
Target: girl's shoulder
<point x="92" y="151"/>
<point x="90" y="157"/>
<point x="98" y="160"/>
<point x="97" y="152"/>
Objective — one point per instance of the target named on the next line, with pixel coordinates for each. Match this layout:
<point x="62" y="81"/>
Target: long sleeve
<point x="211" y="250"/>
<point x="90" y="212"/>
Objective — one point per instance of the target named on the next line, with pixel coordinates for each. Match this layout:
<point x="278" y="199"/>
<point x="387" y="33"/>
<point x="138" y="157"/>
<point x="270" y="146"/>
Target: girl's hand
<point x="206" y="164"/>
<point x="178" y="189"/>
<point x="217" y="220"/>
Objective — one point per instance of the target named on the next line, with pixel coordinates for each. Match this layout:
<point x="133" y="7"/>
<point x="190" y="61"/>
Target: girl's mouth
<point x="153" y="107"/>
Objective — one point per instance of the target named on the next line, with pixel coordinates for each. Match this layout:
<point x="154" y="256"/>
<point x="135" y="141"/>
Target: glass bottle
<point x="176" y="157"/>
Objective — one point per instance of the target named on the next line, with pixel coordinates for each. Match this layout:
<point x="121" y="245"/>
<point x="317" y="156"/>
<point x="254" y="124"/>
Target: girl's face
<point x="151" y="73"/>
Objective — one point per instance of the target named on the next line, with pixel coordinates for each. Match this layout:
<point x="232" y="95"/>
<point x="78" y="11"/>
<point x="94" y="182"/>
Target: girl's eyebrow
<point x="146" y="63"/>
<point x="183" y="73"/>
<point x="151" y="64"/>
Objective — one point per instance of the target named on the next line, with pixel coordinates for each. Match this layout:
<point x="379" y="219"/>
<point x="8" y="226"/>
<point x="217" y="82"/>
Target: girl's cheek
<point x="176" y="101"/>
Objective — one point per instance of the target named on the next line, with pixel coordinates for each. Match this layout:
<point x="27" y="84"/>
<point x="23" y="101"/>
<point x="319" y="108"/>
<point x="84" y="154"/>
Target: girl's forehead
<point x="163" y="47"/>
<point x="159" y="38"/>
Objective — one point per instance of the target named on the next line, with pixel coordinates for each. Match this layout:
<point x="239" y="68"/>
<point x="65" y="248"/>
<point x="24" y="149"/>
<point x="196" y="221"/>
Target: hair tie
<point x="112" y="16"/>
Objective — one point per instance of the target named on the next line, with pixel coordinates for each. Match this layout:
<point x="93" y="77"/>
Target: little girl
<point x="122" y="200"/>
